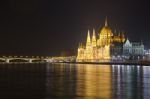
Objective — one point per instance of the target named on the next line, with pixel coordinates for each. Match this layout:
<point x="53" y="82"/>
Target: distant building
<point x="107" y="46"/>
<point x="133" y="48"/>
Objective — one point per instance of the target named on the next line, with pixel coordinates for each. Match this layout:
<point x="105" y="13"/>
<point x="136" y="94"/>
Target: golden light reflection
<point x="97" y="81"/>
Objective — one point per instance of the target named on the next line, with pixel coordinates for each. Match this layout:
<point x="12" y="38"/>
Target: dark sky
<point x="48" y="27"/>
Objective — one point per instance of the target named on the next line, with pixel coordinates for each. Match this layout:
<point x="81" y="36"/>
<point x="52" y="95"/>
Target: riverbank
<point x="141" y="63"/>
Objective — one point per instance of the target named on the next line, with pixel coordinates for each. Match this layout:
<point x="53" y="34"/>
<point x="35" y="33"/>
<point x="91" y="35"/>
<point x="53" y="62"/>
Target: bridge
<point x="68" y="59"/>
<point x="10" y="59"/>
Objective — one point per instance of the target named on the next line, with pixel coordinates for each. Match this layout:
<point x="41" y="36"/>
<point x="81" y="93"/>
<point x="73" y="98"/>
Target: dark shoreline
<point x="140" y="63"/>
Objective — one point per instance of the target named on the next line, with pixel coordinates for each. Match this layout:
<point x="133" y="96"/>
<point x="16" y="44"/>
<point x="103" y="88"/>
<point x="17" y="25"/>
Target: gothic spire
<point x="88" y="39"/>
<point x="94" y="38"/>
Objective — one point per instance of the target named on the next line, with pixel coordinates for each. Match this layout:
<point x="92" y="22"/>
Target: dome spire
<point x="106" y="23"/>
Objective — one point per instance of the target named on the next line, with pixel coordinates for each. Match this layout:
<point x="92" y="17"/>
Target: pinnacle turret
<point x="88" y="42"/>
<point x="94" y="39"/>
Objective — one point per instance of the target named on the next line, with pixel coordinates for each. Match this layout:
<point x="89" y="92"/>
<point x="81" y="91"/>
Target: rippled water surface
<point x="74" y="81"/>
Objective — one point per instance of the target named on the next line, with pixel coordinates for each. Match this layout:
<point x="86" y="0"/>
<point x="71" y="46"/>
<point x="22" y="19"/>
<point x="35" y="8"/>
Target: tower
<point x="94" y="39"/>
<point x="88" y="41"/>
<point x="89" y="49"/>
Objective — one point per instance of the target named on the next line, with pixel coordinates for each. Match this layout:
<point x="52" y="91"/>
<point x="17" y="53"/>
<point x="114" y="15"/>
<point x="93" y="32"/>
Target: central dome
<point x="106" y="31"/>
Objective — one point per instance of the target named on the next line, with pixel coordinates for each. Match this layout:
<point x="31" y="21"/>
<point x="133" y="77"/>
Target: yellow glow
<point x="99" y="49"/>
<point x="97" y="81"/>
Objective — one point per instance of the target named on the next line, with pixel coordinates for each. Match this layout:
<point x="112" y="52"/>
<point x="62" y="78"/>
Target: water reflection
<point x="22" y="81"/>
<point x="146" y="82"/>
<point x="84" y="81"/>
<point x="70" y="81"/>
<point x="128" y="82"/>
<point x="99" y="81"/>
<point x="89" y="81"/>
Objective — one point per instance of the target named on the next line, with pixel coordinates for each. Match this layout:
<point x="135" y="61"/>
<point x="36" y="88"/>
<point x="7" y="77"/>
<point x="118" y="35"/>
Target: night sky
<point x="48" y="27"/>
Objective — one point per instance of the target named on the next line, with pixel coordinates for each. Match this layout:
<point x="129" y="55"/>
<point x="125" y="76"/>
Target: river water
<point x="74" y="81"/>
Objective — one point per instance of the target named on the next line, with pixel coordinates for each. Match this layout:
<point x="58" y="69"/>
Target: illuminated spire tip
<point x="106" y="23"/>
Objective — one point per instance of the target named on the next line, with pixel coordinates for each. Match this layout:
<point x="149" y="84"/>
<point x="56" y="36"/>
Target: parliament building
<point x="107" y="46"/>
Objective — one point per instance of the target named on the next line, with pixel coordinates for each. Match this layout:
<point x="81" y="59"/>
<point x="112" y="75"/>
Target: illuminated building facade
<point x="107" y="46"/>
<point x="133" y="48"/>
<point x="101" y="48"/>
